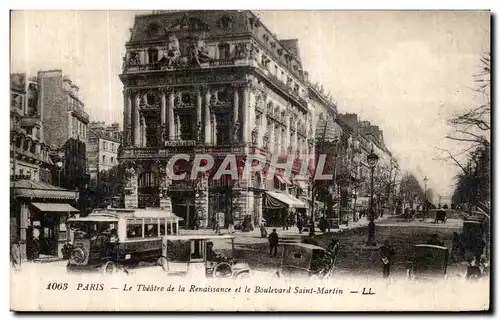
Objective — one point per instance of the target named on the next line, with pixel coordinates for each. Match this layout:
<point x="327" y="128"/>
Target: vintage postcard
<point x="218" y="160"/>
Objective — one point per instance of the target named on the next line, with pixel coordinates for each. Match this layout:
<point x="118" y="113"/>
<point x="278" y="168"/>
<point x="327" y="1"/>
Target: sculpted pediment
<point x="189" y="23"/>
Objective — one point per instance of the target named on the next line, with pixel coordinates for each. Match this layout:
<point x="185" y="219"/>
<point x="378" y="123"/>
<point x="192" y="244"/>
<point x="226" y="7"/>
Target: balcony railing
<point x="177" y="66"/>
<point x="79" y="112"/>
<point x="142" y="152"/>
<point x="222" y="62"/>
<point x="180" y="143"/>
<point x="281" y="85"/>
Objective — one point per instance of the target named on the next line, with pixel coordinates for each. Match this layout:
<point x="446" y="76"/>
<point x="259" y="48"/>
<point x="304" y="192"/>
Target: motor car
<point x="108" y="240"/>
<point x="195" y="255"/>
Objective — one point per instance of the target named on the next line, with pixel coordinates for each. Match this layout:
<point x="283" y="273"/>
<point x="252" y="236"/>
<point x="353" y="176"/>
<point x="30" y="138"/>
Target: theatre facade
<point x="218" y="83"/>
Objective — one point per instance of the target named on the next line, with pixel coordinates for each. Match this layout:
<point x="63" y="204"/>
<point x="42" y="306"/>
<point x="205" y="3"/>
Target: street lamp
<point x="372" y="160"/>
<point x="425" y="194"/>
<point x="59" y="165"/>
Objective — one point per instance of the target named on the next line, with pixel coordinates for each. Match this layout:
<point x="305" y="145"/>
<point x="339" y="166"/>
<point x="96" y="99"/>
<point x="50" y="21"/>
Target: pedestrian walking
<point x="387" y="252"/>
<point x="273" y="243"/>
<point x="263" y="231"/>
<point x="299" y="225"/>
<point x="15" y="255"/>
<point x="230" y="227"/>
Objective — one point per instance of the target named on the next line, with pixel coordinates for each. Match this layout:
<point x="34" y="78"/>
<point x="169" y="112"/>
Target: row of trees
<point x="471" y="131"/>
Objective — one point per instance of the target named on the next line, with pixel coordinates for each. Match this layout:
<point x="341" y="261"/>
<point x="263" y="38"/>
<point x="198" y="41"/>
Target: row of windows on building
<point x="109" y="160"/>
<point x="110" y="146"/>
<point x="79" y="128"/>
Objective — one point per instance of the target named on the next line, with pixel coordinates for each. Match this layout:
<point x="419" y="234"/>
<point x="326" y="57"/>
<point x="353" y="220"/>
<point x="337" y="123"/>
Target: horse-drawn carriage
<point x="429" y="262"/>
<point x="308" y="260"/>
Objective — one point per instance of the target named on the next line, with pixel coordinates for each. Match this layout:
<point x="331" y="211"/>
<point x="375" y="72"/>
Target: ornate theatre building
<point x="212" y="82"/>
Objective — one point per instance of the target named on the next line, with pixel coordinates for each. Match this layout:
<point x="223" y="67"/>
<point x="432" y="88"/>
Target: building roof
<point x="158" y="26"/>
<point x="292" y="45"/>
<point x="32" y="189"/>
<point x="100" y="134"/>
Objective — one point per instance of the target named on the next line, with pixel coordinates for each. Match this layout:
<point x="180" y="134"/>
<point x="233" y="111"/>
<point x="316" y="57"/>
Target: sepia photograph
<point x="250" y="160"/>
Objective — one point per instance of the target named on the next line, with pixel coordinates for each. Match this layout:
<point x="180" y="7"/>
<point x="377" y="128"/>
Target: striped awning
<point x="32" y="189"/>
<point x="55" y="207"/>
<point x="287" y="199"/>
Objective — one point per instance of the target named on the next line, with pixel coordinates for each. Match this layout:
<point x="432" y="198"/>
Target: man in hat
<point x="273" y="243"/>
<point x="386" y="253"/>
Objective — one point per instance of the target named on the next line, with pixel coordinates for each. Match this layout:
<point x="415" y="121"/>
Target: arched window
<point x="152" y="55"/>
<point x="224" y="51"/>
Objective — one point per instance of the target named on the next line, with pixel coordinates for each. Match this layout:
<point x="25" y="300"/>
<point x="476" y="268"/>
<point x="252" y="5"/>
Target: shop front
<point x="281" y="208"/>
<point x="38" y="218"/>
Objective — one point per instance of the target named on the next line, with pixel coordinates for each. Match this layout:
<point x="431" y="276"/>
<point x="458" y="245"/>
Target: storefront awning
<point x="301" y="184"/>
<point x="32" y="189"/>
<point x="287" y="199"/>
<point x="283" y="179"/>
<point x="55" y="207"/>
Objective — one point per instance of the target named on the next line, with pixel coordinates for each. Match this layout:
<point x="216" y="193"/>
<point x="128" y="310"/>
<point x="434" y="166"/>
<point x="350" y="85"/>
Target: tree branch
<point x="453" y="159"/>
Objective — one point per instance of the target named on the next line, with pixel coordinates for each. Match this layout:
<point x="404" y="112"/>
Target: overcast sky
<point x="405" y="71"/>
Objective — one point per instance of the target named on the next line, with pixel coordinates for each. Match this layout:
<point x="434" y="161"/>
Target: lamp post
<point x="425" y="194"/>
<point x="372" y="160"/>
<point x="59" y="166"/>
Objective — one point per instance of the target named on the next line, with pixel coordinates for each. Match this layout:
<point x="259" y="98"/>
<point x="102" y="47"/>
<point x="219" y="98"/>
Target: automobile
<point x="109" y="240"/>
<point x="429" y="262"/>
<point x="306" y="260"/>
<point x="194" y="255"/>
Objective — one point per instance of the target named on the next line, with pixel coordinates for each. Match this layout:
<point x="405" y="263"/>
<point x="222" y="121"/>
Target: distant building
<point x="102" y="147"/>
<point x="35" y="204"/>
<point x="29" y="152"/>
<point x="66" y="125"/>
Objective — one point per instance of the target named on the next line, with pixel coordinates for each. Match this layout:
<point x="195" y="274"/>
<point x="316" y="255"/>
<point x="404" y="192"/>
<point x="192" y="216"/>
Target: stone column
<point x="163" y="110"/>
<point x="214" y="129"/>
<point x="143" y="131"/>
<point x="263" y="130"/>
<point x="143" y="57"/>
<point x="258" y="210"/>
<point x="296" y="137"/>
<point x="279" y="142"/>
<point x="198" y="108"/>
<point x="137" y="121"/>
<point x="201" y="202"/>
<point x="236" y="105"/>
<point x="244" y="115"/>
<point x="207" y="118"/>
<point x="177" y="127"/>
<point x="128" y="120"/>
<point x="244" y="204"/>
<point x="306" y="141"/>
<point x="287" y="133"/>
<point x="272" y="138"/>
<point x="131" y="197"/>
<point x="170" y="114"/>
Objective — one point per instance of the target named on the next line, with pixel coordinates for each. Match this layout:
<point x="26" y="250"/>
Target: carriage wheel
<point x="109" y="268"/>
<point x="243" y="275"/>
<point x="222" y="270"/>
<point x="163" y="263"/>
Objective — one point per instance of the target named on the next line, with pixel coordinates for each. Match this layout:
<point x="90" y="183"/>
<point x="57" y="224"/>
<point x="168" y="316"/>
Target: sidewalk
<point x="291" y="233"/>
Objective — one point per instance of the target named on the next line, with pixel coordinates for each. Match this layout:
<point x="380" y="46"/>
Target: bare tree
<point x="472" y="126"/>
